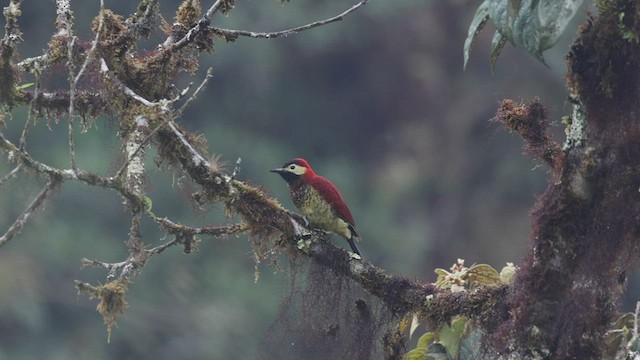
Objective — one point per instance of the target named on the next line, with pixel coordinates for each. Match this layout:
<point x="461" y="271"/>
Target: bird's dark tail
<point x="353" y="245"/>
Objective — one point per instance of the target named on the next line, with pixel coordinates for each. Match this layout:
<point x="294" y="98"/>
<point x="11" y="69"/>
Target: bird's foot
<point x="353" y="255"/>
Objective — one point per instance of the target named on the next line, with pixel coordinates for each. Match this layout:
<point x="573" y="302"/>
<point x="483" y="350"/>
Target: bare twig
<point x="72" y="147"/>
<point x="93" y="48"/>
<point x="104" y="68"/>
<point x="186" y="235"/>
<point x="160" y="248"/>
<point x="25" y="129"/>
<point x="277" y="34"/>
<point x="19" y="223"/>
<point x="65" y="29"/>
<point x="11" y="174"/>
<point x="181" y="232"/>
<point x="112" y="267"/>
<point x="195" y="93"/>
<point x="140" y="146"/>
<point x="26" y="159"/>
<point x="89" y="178"/>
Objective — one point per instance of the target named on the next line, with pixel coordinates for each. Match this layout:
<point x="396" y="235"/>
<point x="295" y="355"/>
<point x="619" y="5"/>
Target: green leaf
<point x="507" y="272"/>
<point x="419" y="352"/>
<point x="442" y="275"/>
<point x="483" y="274"/>
<point x="24" y="86"/>
<point x="471" y="345"/>
<point x="148" y="204"/>
<point x="437" y="351"/>
<point x="477" y="24"/>
<point x="497" y="44"/>
<point x="450" y="336"/>
<point x="440" y="271"/>
<point x="416" y="354"/>
<point x="425" y="340"/>
<point x="534" y="24"/>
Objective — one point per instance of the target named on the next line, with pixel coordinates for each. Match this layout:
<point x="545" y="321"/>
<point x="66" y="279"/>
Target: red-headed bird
<point x="319" y="200"/>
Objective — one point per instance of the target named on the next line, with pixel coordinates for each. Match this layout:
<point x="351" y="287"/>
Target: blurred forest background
<point x="378" y="103"/>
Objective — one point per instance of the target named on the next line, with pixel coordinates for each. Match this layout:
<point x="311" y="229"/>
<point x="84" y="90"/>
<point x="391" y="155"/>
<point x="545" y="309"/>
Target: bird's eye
<point x="292" y="167"/>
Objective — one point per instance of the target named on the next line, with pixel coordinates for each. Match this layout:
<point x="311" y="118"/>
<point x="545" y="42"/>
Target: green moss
<point x="189" y="12"/>
<point x="112" y="300"/>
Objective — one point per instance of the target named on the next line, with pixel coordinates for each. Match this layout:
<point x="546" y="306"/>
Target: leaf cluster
<point x="534" y="24"/>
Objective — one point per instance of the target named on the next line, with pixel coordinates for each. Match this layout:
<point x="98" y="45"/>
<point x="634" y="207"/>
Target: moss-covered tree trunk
<point x="586" y="226"/>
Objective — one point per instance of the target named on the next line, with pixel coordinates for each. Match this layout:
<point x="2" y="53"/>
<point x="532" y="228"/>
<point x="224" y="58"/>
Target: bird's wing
<point x="330" y="194"/>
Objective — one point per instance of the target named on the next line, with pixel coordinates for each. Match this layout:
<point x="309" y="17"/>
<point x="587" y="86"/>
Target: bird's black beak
<point x="288" y="176"/>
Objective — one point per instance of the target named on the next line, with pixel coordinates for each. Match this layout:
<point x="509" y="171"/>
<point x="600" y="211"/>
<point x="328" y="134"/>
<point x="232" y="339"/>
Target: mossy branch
<point x="272" y="226"/>
<point x="585" y="227"/>
<point x="123" y="74"/>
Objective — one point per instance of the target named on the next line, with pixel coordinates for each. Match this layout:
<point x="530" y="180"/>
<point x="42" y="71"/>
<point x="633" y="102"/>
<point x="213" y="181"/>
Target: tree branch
<point x="10" y="175"/>
<point x="234" y="34"/>
<point x="200" y="26"/>
<point x="37" y="202"/>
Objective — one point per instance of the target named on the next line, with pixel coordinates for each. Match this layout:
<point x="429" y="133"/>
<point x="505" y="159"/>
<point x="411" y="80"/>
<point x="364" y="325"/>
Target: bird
<point x="319" y="201"/>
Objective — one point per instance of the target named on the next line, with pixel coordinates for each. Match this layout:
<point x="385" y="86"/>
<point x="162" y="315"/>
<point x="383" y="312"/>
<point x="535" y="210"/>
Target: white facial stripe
<point x="296" y="169"/>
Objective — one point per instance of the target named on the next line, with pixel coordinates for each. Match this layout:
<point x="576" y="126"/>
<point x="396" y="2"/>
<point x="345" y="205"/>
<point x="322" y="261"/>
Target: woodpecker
<point x="319" y="200"/>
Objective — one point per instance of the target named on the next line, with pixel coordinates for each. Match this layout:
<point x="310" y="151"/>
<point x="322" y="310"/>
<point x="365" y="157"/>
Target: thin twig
<point x="26" y="159"/>
<point x="112" y="267"/>
<point x="139" y="147"/>
<point x="72" y="95"/>
<point x="93" y="48"/>
<point x="195" y="93"/>
<point x="65" y="29"/>
<point x="160" y="248"/>
<point x="29" y="211"/>
<point x="104" y="68"/>
<point x="95" y="263"/>
<point x="72" y="147"/>
<point x="11" y="174"/>
<point x="277" y="34"/>
<point x="25" y="129"/>
<point x="213" y="9"/>
<point x="89" y="178"/>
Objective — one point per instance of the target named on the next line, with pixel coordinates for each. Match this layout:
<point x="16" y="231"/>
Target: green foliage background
<point x="378" y="103"/>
